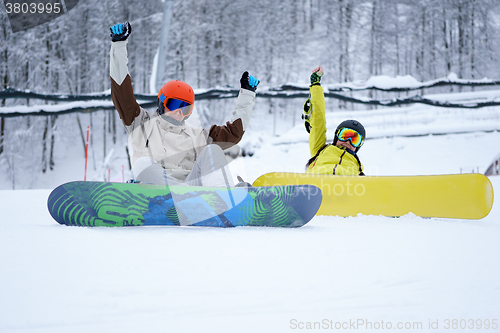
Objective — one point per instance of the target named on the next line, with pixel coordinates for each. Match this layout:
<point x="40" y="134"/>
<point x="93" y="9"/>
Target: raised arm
<point x="232" y="132"/>
<point x="122" y="92"/>
<point x="317" y="136"/>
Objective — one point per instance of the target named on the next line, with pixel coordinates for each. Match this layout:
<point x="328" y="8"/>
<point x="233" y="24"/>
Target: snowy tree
<point x="211" y="43"/>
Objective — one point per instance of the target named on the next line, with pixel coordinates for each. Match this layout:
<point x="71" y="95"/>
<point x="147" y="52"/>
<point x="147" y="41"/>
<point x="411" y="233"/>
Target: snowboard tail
<point x="95" y="204"/>
<point x="464" y="196"/>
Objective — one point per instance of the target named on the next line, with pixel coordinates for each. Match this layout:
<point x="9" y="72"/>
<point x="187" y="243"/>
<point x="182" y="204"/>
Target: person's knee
<point x="214" y="149"/>
<point x="142" y="164"/>
<point x="212" y="153"/>
<point x="211" y="158"/>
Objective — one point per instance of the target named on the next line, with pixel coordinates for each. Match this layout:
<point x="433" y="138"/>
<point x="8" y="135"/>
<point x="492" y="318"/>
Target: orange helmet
<point x="172" y="93"/>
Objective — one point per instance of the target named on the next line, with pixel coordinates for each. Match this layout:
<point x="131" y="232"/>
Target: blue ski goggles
<point x="172" y="105"/>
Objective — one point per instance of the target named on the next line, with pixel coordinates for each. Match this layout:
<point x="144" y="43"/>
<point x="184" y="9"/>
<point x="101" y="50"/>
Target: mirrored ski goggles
<point x="172" y="105"/>
<point x="348" y="134"/>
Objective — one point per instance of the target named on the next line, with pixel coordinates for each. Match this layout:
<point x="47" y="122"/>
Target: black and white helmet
<point x="352" y="124"/>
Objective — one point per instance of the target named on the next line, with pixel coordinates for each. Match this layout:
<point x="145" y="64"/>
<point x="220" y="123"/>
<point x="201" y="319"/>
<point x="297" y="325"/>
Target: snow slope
<point x="363" y="273"/>
<point x="368" y="273"/>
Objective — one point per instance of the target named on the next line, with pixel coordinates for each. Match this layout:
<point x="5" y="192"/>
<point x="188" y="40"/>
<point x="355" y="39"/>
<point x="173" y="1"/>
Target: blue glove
<point x="120" y="32"/>
<point x="249" y="82"/>
<point x="253" y="81"/>
<point x="117" y="29"/>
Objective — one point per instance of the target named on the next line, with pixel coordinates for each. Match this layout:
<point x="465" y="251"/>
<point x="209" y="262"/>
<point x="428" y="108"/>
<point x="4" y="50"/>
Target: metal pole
<point x="86" y="154"/>
<point x="162" y="50"/>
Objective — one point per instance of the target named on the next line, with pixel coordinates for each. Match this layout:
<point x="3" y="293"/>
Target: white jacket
<point x="175" y="147"/>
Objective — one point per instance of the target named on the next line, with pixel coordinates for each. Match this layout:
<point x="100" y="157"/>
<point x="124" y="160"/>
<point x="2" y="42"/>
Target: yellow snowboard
<point x="462" y="196"/>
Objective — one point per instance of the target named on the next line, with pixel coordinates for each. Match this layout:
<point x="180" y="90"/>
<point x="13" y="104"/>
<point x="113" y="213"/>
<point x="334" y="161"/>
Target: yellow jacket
<point x="331" y="160"/>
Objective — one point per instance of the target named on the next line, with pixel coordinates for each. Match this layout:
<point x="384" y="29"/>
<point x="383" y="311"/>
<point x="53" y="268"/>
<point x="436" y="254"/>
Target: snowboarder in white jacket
<point x="164" y="150"/>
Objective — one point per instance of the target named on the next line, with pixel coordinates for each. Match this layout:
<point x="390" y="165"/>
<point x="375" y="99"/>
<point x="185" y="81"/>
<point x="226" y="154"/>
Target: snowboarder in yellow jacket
<point x="339" y="158"/>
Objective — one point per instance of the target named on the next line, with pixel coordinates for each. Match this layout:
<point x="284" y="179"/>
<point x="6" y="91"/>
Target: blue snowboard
<point x="95" y="204"/>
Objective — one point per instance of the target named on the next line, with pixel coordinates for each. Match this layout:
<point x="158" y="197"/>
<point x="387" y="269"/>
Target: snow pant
<point x="210" y="169"/>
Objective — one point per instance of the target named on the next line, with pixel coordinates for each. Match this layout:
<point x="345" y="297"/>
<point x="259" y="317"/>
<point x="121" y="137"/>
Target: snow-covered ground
<point x="333" y="271"/>
<point x="366" y="273"/>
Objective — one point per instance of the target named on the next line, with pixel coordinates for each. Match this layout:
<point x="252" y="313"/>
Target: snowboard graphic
<point x="462" y="196"/>
<point x="95" y="204"/>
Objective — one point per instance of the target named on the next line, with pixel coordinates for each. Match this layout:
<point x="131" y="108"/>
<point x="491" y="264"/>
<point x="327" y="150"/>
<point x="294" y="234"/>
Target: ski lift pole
<point x="86" y="153"/>
<point x="162" y="49"/>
